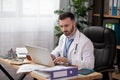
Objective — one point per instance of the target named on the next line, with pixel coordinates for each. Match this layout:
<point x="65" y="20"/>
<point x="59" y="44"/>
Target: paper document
<point x="55" y="68"/>
<point x="33" y="67"/>
<point x="29" y="68"/>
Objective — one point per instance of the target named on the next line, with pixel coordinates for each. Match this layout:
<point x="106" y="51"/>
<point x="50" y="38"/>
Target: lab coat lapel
<point x="63" y="46"/>
<point x="73" y="45"/>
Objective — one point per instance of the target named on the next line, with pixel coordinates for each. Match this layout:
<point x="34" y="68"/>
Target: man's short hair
<point x="66" y="15"/>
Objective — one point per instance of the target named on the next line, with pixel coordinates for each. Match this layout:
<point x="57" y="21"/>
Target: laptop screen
<point x="40" y="55"/>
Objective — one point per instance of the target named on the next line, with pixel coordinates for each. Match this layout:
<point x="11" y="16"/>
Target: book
<point x="85" y="71"/>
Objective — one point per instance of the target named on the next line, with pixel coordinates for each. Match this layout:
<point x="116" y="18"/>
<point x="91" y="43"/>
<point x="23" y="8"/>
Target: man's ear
<point x="74" y="23"/>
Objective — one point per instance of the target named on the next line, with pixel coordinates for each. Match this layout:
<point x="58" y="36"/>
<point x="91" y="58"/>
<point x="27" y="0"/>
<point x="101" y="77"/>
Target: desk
<point x="92" y="76"/>
<point x="116" y="75"/>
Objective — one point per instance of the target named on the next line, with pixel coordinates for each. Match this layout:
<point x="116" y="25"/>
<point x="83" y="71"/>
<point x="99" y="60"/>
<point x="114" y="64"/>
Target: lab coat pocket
<point x="74" y="58"/>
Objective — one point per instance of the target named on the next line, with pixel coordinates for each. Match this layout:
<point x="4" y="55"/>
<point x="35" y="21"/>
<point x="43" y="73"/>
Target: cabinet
<point x="101" y="13"/>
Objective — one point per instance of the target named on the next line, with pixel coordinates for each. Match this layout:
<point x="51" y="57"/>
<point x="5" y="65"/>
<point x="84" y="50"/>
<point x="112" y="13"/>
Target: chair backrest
<point x="104" y="46"/>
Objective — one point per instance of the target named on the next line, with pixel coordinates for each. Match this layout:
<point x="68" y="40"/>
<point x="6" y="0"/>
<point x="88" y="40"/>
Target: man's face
<point x="67" y="26"/>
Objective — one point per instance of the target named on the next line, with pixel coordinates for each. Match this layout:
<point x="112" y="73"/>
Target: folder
<point x="106" y="7"/>
<point x="114" y="7"/>
<point x="58" y="72"/>
<point x="116" y="28"/>
<point x="117" y="33"/>
<point x="64" y="73"/>
<point x="110" y="7"/>
<point x="118" y="11"/>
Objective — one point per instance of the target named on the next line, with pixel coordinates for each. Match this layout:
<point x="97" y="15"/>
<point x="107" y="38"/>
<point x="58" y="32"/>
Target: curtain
<point x="27" y="22"/>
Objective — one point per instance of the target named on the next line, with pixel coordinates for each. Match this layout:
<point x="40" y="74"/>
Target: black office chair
<point x="104" y="48"/>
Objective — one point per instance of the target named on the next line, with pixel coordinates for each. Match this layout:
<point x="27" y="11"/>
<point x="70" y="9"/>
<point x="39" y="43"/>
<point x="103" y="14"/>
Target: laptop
<point x="40" y="55"/>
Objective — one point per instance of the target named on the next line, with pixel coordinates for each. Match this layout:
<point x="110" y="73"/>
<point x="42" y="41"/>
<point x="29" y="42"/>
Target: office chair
<point x="104" y="49"/>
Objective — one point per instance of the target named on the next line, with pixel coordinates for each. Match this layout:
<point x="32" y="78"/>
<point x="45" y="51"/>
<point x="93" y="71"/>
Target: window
<point x="8" y="5"/>
<point x="28" y="8"/>
<point x="27" y="22"/>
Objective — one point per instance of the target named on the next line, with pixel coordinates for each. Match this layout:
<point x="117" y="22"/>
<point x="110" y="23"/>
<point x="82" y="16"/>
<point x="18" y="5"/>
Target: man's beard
<point x="68" y="33"/>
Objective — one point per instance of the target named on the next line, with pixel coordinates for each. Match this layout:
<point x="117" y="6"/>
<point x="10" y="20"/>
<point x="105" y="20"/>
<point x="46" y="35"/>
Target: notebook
<point x="40" y="55"/>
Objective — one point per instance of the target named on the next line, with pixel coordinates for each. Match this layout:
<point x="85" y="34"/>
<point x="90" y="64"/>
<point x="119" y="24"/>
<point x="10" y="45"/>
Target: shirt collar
<point x="71" y="37"/>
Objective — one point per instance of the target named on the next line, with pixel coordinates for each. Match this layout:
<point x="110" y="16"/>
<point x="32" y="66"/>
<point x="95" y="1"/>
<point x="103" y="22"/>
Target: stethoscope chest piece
<point x="76" y="46"/>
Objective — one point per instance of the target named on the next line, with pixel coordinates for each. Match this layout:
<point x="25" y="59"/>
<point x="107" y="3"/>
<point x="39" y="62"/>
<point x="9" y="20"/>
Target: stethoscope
<point x="76" y="45"/>
<point x="75" y="52"/>
<point x="76" y="48"/>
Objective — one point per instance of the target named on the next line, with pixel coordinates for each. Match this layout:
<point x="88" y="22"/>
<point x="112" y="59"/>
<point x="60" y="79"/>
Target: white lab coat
<point x="82" y="56"/>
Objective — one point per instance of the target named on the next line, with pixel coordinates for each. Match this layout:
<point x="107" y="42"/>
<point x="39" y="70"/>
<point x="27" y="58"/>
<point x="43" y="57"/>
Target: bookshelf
<point x="101" y="13"/>
<point x="107" y="16"/>
<point x="103" y="16"/>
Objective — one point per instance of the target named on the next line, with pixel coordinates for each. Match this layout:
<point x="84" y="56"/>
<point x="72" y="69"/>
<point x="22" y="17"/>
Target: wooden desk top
<point x="92" y="76"/>
<point x="116" y="75"/>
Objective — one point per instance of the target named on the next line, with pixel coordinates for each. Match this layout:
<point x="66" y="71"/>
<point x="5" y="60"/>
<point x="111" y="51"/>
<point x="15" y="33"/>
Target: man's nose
<point x="63" y="29"/>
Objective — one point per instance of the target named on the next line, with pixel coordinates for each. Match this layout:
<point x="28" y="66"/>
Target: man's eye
<point x="66" y="25"/>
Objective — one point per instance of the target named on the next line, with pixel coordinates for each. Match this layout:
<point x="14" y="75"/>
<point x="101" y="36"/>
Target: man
<point x="74" y="47"/>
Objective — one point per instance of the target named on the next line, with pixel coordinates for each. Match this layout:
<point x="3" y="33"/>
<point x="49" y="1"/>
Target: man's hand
<point x="60" y="60"/>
